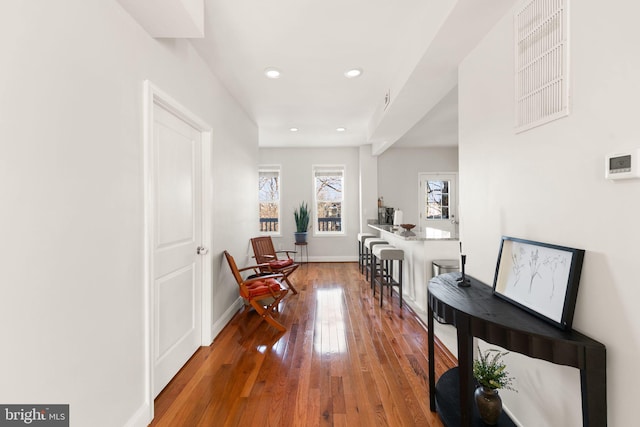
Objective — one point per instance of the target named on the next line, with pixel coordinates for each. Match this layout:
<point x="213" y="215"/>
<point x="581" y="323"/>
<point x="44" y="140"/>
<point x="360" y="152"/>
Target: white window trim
<point x="329" y="168"/>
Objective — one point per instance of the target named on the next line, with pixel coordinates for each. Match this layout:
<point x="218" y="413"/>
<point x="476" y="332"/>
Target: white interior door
<point x="176" y="234"/>
<point x="439" y="201"/>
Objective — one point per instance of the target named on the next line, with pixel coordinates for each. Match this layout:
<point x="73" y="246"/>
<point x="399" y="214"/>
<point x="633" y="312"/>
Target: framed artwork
<point x="540" y="278"/>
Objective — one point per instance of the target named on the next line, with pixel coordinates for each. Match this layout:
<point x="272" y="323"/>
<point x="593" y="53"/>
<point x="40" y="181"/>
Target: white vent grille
<point x="542" y="90"/>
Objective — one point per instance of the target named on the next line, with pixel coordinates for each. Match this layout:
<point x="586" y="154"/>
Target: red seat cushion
<point x="261" y="287"/>
<point x="281" y="263"/>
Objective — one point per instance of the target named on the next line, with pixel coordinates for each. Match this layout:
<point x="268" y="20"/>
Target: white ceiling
<point x="410" y="48"/>
<point x="438" y="128"/>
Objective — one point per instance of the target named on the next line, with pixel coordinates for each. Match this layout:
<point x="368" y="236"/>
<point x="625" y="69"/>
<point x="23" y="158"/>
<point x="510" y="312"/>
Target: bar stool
<point x="362" y="237"/>
<point x="387" y="255"/>
<point x="368" y="246"/>
<point x="375" y="266"/>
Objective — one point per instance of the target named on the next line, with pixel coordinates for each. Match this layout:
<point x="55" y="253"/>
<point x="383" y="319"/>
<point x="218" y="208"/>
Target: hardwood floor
<point x="343" y="361"/>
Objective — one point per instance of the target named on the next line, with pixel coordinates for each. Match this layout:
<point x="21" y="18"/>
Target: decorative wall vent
<point x="542" y="86"/>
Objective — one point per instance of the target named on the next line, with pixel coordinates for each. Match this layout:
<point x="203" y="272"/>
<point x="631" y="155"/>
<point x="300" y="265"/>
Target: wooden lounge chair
<point x="263" y="293"/>
<point x="267" y="256"/>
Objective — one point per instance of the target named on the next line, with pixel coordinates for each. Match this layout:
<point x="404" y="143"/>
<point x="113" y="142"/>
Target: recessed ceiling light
<point x="354" y="72"/>
<point x="294" y="129"/>
<point x="341" y="129"/>
<point x="272" y="73"/>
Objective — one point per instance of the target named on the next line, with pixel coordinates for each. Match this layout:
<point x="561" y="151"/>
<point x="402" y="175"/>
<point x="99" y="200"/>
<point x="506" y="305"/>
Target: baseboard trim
<point x="348" y="258"/>
<point x="141" y="418"/>
<point x="226" y="317"/>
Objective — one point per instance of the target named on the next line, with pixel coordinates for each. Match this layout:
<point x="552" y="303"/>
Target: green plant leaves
<point x="301" y="216"/>
<point x="490" y="371"/>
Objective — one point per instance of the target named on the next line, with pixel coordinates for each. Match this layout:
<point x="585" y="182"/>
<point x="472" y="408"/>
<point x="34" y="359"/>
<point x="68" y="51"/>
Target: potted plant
<point x="301" y="216"/>
<point x="490" y="372"/>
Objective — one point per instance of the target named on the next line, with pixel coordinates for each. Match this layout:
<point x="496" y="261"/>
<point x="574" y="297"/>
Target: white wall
<point x="368" y="187"/>
<point x="71" y="308"/>
<point x="547" y="184"/>
<point x="398" y="170"/>
<point x="297" y="186"/>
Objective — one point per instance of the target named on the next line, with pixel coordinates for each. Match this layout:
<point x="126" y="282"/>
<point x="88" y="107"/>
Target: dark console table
<point x="476" y="312"/>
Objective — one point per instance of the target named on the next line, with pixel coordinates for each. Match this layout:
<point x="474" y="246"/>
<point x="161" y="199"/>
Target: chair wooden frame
<point x="263" y="293"/>
<point x="267" y="257"/>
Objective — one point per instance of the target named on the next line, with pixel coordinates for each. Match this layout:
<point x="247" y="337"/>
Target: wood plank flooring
<point x="343" y="361"/>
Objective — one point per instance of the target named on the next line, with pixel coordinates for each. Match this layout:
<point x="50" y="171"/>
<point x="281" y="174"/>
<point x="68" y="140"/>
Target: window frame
<point x="278" y="170"/>
<point x="342" y="169"/>
<point x="449" y="224"/>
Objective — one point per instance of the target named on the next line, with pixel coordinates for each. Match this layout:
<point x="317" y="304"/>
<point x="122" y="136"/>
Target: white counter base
<point x="419" y="255"/>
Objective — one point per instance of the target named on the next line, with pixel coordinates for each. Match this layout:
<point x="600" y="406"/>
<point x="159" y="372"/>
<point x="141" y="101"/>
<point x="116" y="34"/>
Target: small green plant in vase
<point x="491" y="374"/>
<point x="301" y="215"/>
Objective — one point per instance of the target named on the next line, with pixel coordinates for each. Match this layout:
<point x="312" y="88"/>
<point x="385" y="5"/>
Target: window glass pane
<point x="434" y="211"/>
<point x="269" y="198"/>
<point x="437" y="199"/>
<point x="329" y="198"/>
<point x="329" y="216"/>
<point x="329" y="188"/>
<point x="269" y="214"/>
<point x="268" y="187"/>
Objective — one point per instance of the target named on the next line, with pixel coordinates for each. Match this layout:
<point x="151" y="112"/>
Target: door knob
<point x="202" y="250"/>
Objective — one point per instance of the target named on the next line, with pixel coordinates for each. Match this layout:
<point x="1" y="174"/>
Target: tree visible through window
<point x="269" y="199"/>
<point x="329" y="198"/>
<point x="437" y="199"/>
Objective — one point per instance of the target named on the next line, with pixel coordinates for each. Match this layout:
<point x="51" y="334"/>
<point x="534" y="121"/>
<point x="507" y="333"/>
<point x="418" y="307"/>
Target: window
<point x="269" y="199"/>
<point x="437" y="198"/>
<point x="438" y="201"/>
<point x="329" y="198"/>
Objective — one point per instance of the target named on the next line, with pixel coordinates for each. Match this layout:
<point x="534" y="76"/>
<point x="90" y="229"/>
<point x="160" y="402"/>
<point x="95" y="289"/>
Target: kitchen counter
<point x="419" y="253"/>
<point x="415" y="234"/>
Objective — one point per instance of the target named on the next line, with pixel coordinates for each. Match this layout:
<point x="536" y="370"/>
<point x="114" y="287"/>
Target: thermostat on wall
<point x="622" y="165"/>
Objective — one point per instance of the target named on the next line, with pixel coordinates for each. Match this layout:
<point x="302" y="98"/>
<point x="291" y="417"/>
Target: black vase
<point x="489" y="404"/>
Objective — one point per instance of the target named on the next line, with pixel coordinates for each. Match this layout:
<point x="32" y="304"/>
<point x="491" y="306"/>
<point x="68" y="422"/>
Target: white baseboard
<point x="513" y="418"/>
<point x="217" y="327"/>
<point x="141" y="418"/>
<point x="348" y="258"/>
